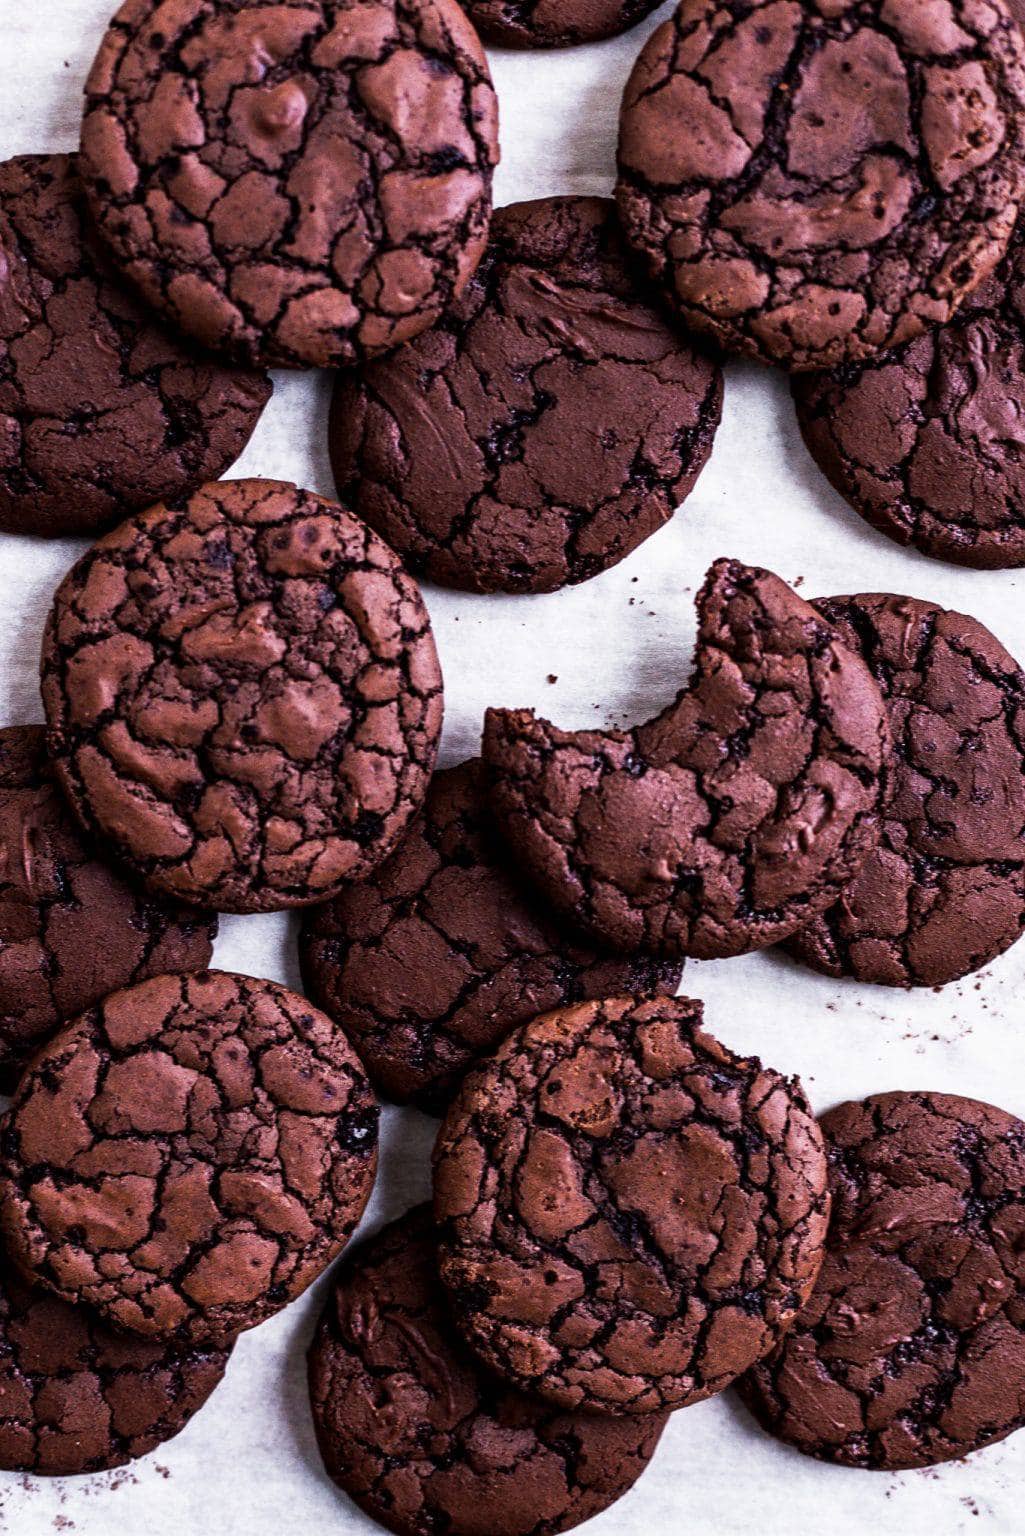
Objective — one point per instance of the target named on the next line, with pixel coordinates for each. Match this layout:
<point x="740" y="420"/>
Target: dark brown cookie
<point x="297" y="182"/>
<point x="455" y="447"/>
<point x="734" y="816"/>
<point x="630" y="1214"/>
<point x="243" y="696"/>
<point x="815" y="181"/>
<point x="71" y="930"/>
<point x="78" y="1397"/>
<point x="440" y="954"/>
<point x="102" y="410"/>
<point x="943" y="892"/>
<point x="454" y="1449"/>
<point x="911" y="1349"/>
<point x="188" y="1156"/>
<point x="554" y="23"/>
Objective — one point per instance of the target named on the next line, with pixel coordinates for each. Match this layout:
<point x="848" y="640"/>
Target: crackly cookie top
<point x="943" y="891"/>
<point x="423" y="1438"/>
<point x="243" y="696"/>
<point x="818" y="180"/>
<point x="911" y="1349"/>
<point x="441" y="953"/>
<point x="71" y="929"/>
<point x="188" y="1156"/>
<point x="78" y="1397"/>
<point x="731" y="818"/>
<point x="630" y="1214"/>
<point x="553" y="23"/>
<point x="302" y="182"/>
<point x="455" y="447"/>
<point x="102" y="410"/>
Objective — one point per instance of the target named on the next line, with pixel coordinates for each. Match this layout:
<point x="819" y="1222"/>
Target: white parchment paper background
<point x="619" y="647"/>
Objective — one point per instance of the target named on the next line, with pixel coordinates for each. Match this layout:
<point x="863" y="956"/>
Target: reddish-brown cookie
<point x="911" y="1350"/>
<point x="815" y="181"/>
<point x="439" y="954"/>
<point x="455" y="447"/>
<point x="553" y="23"/>
<point x="71" y="930"/>
<point x="243" y="696"/>
<point x="734" y="816"/>
<point x="102" y="410"/>
<point x="423" y="1438"/>
<point x="297" y="182"/>
<point x="630" y="1214"/>
<point x="187" y="1157"/>
<point x="78" y="1397"/>
<point x="943" y="891"/>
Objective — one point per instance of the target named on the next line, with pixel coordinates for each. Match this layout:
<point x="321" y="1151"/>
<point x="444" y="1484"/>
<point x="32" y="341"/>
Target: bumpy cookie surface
<point x="630" y="1214"/>
<point x="544" y="428"/>
<point x="454" y="1450"/>
<point x="303" y="182"/>
<point x="102" y="410"/>
<point x="730" y="819"/>
<point x="553" y="23"/>
<point x="71" y="930"/>
<point x="943" y="891"/>
<point x="188" y="1156"/>
<point x="78" y="1397"/>
<point x="243" y="696"/>
<point x="440" y="953"/>
<point x="815" y="181"/>
<point x="911" y="1349"/>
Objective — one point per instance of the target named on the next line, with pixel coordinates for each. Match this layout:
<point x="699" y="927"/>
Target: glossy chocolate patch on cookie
<point x="630" y="1214"/>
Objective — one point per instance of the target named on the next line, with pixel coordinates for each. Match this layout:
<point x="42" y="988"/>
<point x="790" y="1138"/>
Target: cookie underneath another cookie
<point x="554" y="23"/>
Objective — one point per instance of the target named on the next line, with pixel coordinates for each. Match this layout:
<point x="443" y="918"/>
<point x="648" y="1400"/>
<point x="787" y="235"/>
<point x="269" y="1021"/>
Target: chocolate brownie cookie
<point x="455" y="447"/>
<point x="101" y="409"/>
<point x="188" y="1156"/>
<point x="71" y="930"/>
<point x="943" y="892"/>
<point x="456" y="1450"/>
<point x="78" y="1397"/>
<point x="725" y="823"/>
<point x="298" y="182"/>
<point x="815" y="181"/>
<point x="630" y="1214"/>
<point x="911" y="1349"/>
<point x="553" y="23"/>
<point x="440" y="954"/>
<point x="243" y="696"/>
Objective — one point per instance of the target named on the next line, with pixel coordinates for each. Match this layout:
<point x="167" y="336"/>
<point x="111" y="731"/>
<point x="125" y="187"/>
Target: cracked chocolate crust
<point x="554" y="23"/>
<point x="187" y="1157"/>
<point x="729" y="820"/>
<point x="71" y="930"/>
<point x="630" y="1215"/>
<point x="78" y="1397"/>
<point x="440" y="953"/>
<point x="102" y="410"/>
<point x="455" y="447"/>
<point x="299" y="183"/>
<point x="943" y="891"/>
<point x="423" y="1438"/>
<point x="911" y="1350"/>
<point x="816" y="181"/>
<point x="243" y="696"/>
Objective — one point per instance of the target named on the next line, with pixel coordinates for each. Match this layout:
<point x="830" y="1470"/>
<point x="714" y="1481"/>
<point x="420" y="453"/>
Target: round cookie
<point x="296" y="182"/>
<point x="554" y="23"/>
<point x="79" y="1397"/>
<point x="630" y="1214"/>
<point x="71" y="930"/>
<point x="924" y="442"/>
<point x="457" y="1450"/>
<point x="943" y="891"/>
<point x="188" y="1156"/>
<point x="102" y="410"/>
<point x="816" y="181"/>
<point x="243" y="696"/>
<point x="911" y="1350"/>
<point x="455" y="447"/>
<point x="440" y="954"/>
